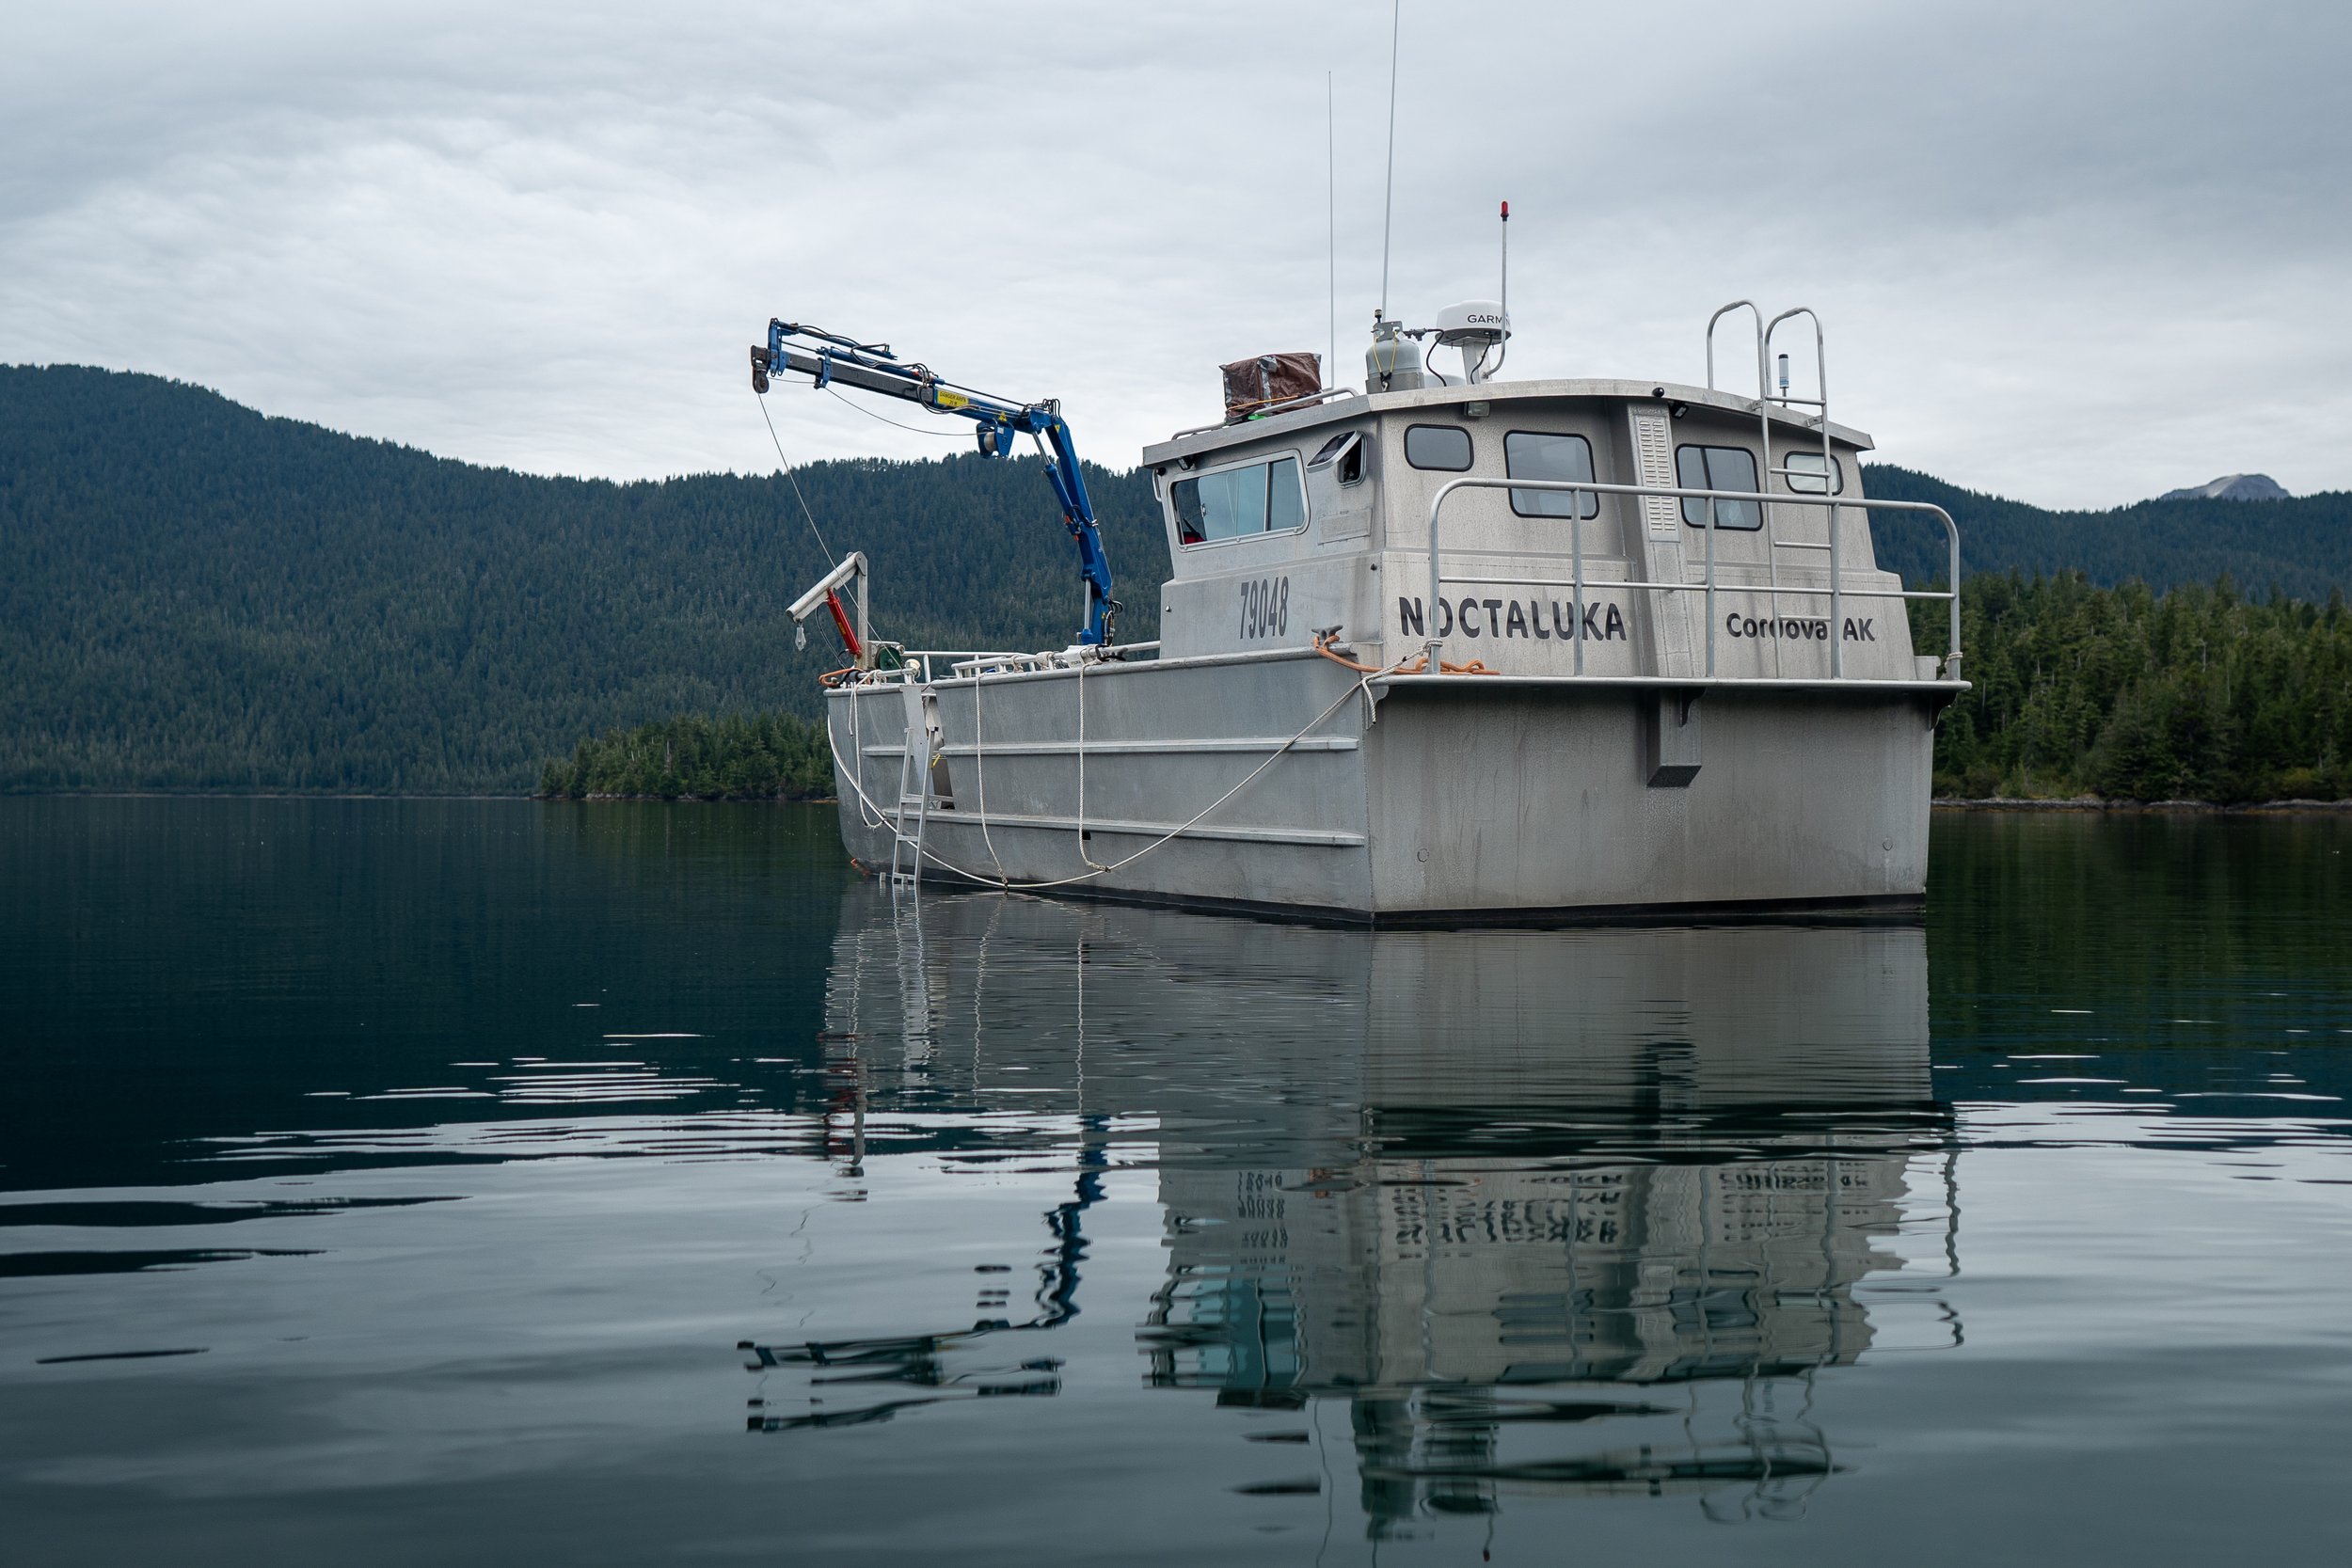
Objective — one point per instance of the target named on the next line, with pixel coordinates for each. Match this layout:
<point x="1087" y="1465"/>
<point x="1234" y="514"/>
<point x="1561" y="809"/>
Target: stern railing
<point x="1837" y="590"/>
<point x="925" y="664"/>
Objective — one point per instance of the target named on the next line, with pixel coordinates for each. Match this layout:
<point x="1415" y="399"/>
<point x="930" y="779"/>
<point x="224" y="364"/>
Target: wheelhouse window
<point x="1343" y="454"/>
<point x="1443" y="447"/>
<point x="1531" y="454"/>
<point x="1717" y="468"/>
<point x="1805" y="474"/>
<point x="1235" y="503"/>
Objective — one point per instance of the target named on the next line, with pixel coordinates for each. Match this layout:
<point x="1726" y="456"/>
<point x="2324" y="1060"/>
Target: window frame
<point x="1755" y="470"/>
<point x="1836" y="469"/>
<point x="1588" y="504"/>
<point x="1469" y="450"/>
<point x="1267" y="461"/>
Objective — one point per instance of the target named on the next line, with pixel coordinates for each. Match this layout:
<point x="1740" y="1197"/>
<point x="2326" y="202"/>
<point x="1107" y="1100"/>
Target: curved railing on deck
<point x="1836" y="592"/>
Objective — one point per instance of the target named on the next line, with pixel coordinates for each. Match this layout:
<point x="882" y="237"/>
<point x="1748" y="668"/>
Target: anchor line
<point x="1000" y="880"/>
<point x="979" y="774"/>
<point x="857" y="748"/>
<point x="1083" y="853"/>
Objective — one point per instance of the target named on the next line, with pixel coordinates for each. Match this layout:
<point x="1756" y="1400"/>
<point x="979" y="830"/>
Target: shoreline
<point x="2086" y="803"/>
<point x="527" y="799"/>
<point x="1940" y="802"/>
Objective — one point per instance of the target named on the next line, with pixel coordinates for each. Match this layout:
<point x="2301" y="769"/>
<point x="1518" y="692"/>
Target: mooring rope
<point x="1005" y="883"/>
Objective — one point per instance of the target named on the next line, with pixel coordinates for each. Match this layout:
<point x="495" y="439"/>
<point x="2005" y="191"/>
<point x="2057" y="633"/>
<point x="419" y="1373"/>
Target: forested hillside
<point x="740" y="756"/>
<point x="2198" y="694"/>
<point x="194" y="596"/>
<point x="2301" y="546"/>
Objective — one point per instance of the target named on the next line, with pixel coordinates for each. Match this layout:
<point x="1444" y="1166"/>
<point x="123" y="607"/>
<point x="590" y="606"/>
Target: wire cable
<point x="917" y="429"/>
<point x="786" y="463"/>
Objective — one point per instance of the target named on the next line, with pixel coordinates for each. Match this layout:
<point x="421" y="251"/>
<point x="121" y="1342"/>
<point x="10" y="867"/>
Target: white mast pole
<point x="1388" y="204"/>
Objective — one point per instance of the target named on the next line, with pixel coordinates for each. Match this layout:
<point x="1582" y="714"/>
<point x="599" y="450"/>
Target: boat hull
<point x="1450" y="801"/>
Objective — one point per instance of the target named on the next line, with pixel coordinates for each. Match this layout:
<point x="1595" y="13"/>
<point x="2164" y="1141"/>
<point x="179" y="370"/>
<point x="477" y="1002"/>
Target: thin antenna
<point x="1331" y="132"/>
<point x="1505" y="344"/>
<point x="1387" y="202"/>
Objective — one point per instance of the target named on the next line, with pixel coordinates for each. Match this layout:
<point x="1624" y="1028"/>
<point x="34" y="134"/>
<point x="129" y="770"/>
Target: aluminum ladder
<point x="915" y="786"/>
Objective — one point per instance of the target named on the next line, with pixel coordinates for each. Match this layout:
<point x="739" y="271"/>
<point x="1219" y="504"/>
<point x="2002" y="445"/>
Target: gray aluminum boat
<point x="1452" y="650"/>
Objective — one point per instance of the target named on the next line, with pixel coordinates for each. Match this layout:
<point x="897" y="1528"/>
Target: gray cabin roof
<point x="1196" y="443"/>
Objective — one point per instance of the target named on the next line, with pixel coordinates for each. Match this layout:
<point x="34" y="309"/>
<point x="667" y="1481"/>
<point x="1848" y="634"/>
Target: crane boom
<point x="829" y="359"/>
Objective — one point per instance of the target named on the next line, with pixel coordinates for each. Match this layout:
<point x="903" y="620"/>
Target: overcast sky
<point x="2073" y="253"/>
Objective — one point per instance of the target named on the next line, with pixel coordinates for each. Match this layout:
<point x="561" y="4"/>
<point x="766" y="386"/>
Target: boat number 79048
<point x="1265" y="607"/>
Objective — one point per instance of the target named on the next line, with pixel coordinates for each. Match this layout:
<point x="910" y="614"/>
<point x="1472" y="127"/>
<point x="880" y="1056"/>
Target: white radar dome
<point x="1473" y="322"/>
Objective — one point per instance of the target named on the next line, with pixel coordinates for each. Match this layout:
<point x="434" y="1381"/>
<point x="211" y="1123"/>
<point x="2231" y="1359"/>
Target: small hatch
<point x="1343" y="453"/>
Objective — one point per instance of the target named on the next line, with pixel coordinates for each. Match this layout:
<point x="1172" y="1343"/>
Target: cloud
<point x="2078" y="254"/>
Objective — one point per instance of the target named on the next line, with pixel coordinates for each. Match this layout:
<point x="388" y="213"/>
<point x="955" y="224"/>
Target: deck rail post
<point x="1576" y="544"/>
<point x="1711" y="590"/>
<point x="1829" y="481"/>
<point x="1577" y="488"/>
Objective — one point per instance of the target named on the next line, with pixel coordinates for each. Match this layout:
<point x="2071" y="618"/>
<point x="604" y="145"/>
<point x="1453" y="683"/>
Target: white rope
<point x="1000" y="880"/>
<point x="1083" y="853"/>
<point x="857" y="748"/>
<point x="980" y="775"/>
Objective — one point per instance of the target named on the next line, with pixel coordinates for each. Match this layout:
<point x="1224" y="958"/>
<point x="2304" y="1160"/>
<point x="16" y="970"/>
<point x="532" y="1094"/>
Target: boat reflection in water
<point x="1546" y="1212"/>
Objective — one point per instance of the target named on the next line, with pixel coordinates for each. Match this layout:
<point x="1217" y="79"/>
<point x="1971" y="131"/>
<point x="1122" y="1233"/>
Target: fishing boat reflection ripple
<point x="1585" y="1211"/>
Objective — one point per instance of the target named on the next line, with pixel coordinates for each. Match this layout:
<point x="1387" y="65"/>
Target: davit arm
<point x="828" y="359"/>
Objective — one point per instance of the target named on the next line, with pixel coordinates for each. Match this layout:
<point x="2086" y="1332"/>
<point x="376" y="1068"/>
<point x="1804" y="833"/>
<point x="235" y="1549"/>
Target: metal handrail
<point x="1837" y="588"/>
<point x="1764" y="434"/>
<point x="1763" y="386"/>
<point x="1310" y="401"/>
<point x="1829" y="469"/>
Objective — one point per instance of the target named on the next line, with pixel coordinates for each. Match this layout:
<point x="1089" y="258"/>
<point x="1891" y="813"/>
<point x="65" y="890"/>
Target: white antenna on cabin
<point x="1387" y="202"/>
<point x="1504" y="347"/>
<point x="1331" y="134"/>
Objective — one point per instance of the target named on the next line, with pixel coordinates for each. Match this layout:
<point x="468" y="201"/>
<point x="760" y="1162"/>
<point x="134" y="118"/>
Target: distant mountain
<point x="195" y="597"/>
<point x="2301" y="546"/>
<point x="2232" y="487"/>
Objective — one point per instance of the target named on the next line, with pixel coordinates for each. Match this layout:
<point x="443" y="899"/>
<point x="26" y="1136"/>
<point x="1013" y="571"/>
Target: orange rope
<point x="1323" y="646"/>
<point x="1420" y="666"/>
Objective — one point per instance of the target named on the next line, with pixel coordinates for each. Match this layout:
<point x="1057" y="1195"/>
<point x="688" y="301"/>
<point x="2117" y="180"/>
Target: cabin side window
<point x="1235" y="503"/>
<point x="1717" y="468"/>
<point x="1343" y="454"/>
<point x="1531" y="454"/>
<point x="1805" y="474"/>
<point x="1443" y="447"/>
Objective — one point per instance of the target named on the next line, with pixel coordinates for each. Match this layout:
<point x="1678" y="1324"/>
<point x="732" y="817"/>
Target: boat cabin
<point x="1317" y="520"/>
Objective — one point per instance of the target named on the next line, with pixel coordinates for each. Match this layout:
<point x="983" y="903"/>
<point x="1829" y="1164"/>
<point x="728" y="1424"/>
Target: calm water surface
<point x="397" y="1183"/>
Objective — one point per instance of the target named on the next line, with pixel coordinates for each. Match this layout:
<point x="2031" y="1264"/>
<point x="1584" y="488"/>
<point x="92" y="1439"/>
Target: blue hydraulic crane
<point x="828" y="358"/>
